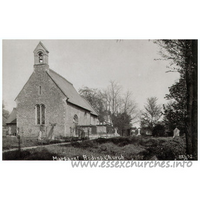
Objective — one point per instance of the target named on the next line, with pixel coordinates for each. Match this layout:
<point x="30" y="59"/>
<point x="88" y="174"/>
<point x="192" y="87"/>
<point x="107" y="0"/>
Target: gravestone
<point x="176" y="132"/>
<point x="9" y="131"/>
<point x="116" y="133"/>
<point x="138" y="132"/>
<point x="40" y="135"/>
<point x="51" y="132"/>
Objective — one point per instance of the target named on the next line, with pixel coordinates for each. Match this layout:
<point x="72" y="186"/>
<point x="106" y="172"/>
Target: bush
<point x="87" y="144"/>
<point x="136" y="139"/>
<point x="84" y="144"/>
<point x="75" y="144"/>
<point x="158" y="130"/>
<point x="101" y="140"/>
<point x="120" y="141"/>
<point x="168" y="150"/>
<point x="149" y="142"/>
<point x="108" y="148"/>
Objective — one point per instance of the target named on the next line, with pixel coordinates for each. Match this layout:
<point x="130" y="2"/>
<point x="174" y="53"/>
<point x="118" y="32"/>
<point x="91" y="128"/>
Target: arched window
<point x="37" y="112"/>
<point x="40" y="55"/>
<point x="40" y="90"/>
<point x="75" y="119"/>
<point x="40" y="114"/>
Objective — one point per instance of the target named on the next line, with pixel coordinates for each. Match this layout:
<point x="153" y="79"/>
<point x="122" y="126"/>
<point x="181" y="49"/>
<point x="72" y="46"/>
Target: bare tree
<point x="129" y="106"/>
<point x="111" y="97"/>
<point x="110" y="103"/>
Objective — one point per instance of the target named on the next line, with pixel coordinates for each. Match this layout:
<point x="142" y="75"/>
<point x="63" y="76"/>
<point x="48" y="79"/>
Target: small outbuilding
<point x="11" y="123"/>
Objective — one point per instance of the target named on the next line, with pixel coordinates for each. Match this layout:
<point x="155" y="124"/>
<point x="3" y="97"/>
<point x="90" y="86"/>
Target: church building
<point x="49" y="102"/>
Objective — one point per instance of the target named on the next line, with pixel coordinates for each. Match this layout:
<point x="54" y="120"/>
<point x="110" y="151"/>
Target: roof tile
<point x="69" y="91"/>
<point x="12" y="118"/>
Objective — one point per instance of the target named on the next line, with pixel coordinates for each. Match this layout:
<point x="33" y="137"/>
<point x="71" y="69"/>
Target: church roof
<point x="41" y="46"/>
<point x="4" y="121"/>
<point x="69" y="91"/>
<point x="12" y="118"/>
<point x="91" y="108"/>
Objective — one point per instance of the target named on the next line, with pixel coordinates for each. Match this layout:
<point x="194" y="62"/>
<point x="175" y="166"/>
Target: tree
<point x="93" y="96"/>
<point x="122" y="121"/>
<point x="183" y="56"/>
<point x="117" y="103"/>
<point x="151" y="114"/>
<point x="111" y="97"/>
<point x="159" y="130"/>
<point x="175" y="112"/>
<point x="129" y="106"/>
<point x="111" y="103"/>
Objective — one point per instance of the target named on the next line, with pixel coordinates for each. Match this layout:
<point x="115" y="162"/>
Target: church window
<point x="37" y="107"/>
<point x="40" y="114"/>
<point x="40" y="54"/>
<point x="75" y="119"/>
<point x="40" y="89"/>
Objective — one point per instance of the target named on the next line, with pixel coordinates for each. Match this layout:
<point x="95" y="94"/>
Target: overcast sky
<point x="91" y="63"/>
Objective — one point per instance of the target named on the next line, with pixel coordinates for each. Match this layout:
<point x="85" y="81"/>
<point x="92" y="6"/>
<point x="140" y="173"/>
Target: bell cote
<point x="41" y="57"/>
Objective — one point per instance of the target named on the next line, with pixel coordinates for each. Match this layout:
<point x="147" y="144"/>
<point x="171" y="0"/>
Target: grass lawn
<point x="10" y="142"/>
<point x="128" y="148"/>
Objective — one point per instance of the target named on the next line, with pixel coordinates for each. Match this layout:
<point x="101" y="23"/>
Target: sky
<point x="91" y="63"/>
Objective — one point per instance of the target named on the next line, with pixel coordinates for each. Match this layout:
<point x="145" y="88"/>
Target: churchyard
<point x="126" y="148"/>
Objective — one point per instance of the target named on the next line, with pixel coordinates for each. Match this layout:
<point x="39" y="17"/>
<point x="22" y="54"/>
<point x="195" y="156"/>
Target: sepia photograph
<point x="86" y="100"/>
<point x="99" y="100"/>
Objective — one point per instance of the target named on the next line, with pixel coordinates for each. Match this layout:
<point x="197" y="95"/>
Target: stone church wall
<point x="50" y="96"/>
<point x="41" y="91"/>
<point x="83" y="117"/>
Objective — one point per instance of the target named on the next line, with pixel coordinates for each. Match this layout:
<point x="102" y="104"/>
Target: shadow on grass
<point x="33" y="154"/>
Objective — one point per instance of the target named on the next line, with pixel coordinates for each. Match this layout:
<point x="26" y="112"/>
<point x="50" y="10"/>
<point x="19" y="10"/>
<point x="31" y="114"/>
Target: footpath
<point x="34" y="147"/>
